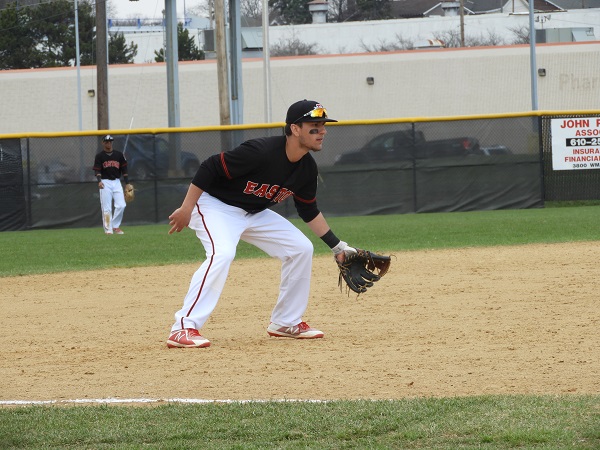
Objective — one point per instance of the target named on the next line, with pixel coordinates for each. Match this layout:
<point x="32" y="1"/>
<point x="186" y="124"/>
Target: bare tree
<point x="491" y="39"/>
<point x="341" y="10"/>
<point x="450" y="38"/>
<point x="521" y="34"/>
<point x="251" y="12"/>
<point x="203" y="9"/>
<point x="293" y="47"/>
<point x="401" y="43"/>
<point x="111" y="9"/>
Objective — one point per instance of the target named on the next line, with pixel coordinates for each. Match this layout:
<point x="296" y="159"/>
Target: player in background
<point x="109" y="166"/>
<point x="229" y="200"/>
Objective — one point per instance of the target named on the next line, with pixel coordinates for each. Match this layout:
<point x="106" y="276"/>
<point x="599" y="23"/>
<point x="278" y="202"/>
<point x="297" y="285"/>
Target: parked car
<point x="496" y="150"/>
<point x="148" y="156"/>
<point x="406" y="145"/>
<point x="51" y="172"/>
<point x="11" y="166"/>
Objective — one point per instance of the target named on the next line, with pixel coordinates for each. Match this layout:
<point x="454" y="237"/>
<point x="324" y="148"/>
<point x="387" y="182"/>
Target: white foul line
<point x="141" y="400"/>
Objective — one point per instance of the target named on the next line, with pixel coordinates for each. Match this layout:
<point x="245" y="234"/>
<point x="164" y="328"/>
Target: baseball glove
<point x="129" y="193"/>
<point x="361" y="269"/>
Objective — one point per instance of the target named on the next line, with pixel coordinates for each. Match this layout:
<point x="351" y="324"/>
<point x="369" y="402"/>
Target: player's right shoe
<point x="187" y="338"/>
<point x="300" y="331"/>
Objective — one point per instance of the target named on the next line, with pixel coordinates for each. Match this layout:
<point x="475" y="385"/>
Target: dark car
<point x="148" y="157"/>
<point x="496" y="150"/>
<point x="51" y="172"/>
<point x="406" y="145"/>
<point x="11" y="165"/>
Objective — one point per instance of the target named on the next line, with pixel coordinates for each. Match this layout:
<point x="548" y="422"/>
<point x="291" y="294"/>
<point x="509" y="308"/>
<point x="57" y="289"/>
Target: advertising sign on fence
<point x="576" y="143"/>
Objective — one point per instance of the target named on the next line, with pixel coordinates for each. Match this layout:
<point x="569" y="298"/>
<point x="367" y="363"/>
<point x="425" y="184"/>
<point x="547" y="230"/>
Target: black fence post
<point x="414" y="166"/>
<point x="29" y="198"/>
<point x="540" y="127"/>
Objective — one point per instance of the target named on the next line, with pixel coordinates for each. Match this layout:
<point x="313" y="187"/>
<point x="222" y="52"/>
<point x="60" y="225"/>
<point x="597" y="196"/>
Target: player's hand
<point x="100" y="185"/>
<point x="342" y="250"/>
<point x="179" y="220"/>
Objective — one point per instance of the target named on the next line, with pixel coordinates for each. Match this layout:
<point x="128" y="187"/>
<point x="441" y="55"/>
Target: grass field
<point x="44" y="251"/>
<point x="453" y="423"/>
<point x="490" y="422"/>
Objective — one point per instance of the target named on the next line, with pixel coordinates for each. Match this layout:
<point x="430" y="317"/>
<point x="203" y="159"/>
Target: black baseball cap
<point x="108" y="138"/>
<point x="307" y="111"/>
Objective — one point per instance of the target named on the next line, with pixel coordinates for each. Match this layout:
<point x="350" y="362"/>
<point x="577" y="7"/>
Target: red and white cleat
<point x="187" y="338"/>
<point x="300" y="331"/>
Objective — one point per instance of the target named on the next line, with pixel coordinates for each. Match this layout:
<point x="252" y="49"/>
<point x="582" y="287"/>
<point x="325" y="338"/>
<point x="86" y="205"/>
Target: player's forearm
<point x="320" y="227"/>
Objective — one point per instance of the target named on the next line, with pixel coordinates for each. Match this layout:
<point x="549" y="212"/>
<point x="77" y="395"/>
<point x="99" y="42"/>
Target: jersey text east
<point x="275" y="193"/>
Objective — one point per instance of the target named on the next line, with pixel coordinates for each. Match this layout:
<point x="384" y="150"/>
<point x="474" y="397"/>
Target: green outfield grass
<point x="489" y="422"/>
<point x="43" y="251"/>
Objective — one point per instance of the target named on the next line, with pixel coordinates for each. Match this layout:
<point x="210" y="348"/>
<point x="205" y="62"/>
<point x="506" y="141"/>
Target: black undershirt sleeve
<point x="307" y="211"/>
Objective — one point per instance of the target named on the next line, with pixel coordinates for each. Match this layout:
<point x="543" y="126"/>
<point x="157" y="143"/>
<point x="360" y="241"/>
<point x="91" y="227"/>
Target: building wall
<point x="417" y="83"/>
<point x="360" y="37"/>
<point x="355" y="37"/>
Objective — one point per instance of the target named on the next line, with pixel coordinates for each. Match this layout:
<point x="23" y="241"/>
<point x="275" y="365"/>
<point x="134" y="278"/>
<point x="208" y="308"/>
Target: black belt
<point x="254" y="211"/>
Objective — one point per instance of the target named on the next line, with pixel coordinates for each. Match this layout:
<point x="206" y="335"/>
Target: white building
<point x="402" y="84"/>
<point x="368" y="36"/>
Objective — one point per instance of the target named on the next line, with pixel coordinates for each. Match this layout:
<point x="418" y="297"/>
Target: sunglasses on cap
<point x="318" y="112"/>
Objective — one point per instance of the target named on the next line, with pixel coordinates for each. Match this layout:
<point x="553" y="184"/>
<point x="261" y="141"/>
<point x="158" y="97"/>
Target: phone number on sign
<point x="577" y="142"/>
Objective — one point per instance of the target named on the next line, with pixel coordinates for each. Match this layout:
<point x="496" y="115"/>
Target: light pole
<point x="533" y="63"/>
<point x="78" y="64"/>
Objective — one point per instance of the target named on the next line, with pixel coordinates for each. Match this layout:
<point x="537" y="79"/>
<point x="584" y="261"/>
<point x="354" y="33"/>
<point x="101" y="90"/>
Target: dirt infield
<point x="504" y="320"/>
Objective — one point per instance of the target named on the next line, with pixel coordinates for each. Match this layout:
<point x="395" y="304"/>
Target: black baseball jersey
<point x="111" y="165"/>
<point x="257" y="174"/>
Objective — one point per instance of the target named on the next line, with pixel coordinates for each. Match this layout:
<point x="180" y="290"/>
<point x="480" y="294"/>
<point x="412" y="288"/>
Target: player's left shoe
<point x="118" y="231"/>
<point x="300" y="331"/>
<point x="187" y="338"/>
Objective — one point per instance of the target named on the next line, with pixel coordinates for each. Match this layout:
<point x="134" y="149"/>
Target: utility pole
<point x="102" y="65"/>
<point x="235" y="58"/>
<point x="462" y="23"/>
<point x="221" y="48"/>
<point x="172" y="60"/>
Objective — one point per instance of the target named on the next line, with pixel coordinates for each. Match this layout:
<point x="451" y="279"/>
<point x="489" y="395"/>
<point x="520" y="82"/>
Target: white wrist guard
<point x="343" y="247"/>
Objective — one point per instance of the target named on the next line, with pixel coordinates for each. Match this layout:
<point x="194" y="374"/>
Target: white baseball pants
<point x="220" y="228"/>
<point x="113" y="192"/>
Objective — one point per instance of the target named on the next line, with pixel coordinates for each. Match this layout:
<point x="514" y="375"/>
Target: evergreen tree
<point x="53" y="29"/>
<point x="17" y="46"/>
<point x="291" y="12"/>
<point x="87" y="33"/>
<point x="44" y="36"/>
<point x="373" y="10"/>
<point x="118" y="51"/>
<point x="187" y="50"/>
<point x="186" y="47"/>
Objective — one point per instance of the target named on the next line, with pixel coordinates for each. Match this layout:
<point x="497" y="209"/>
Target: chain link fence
<point x="379" y="167"/>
